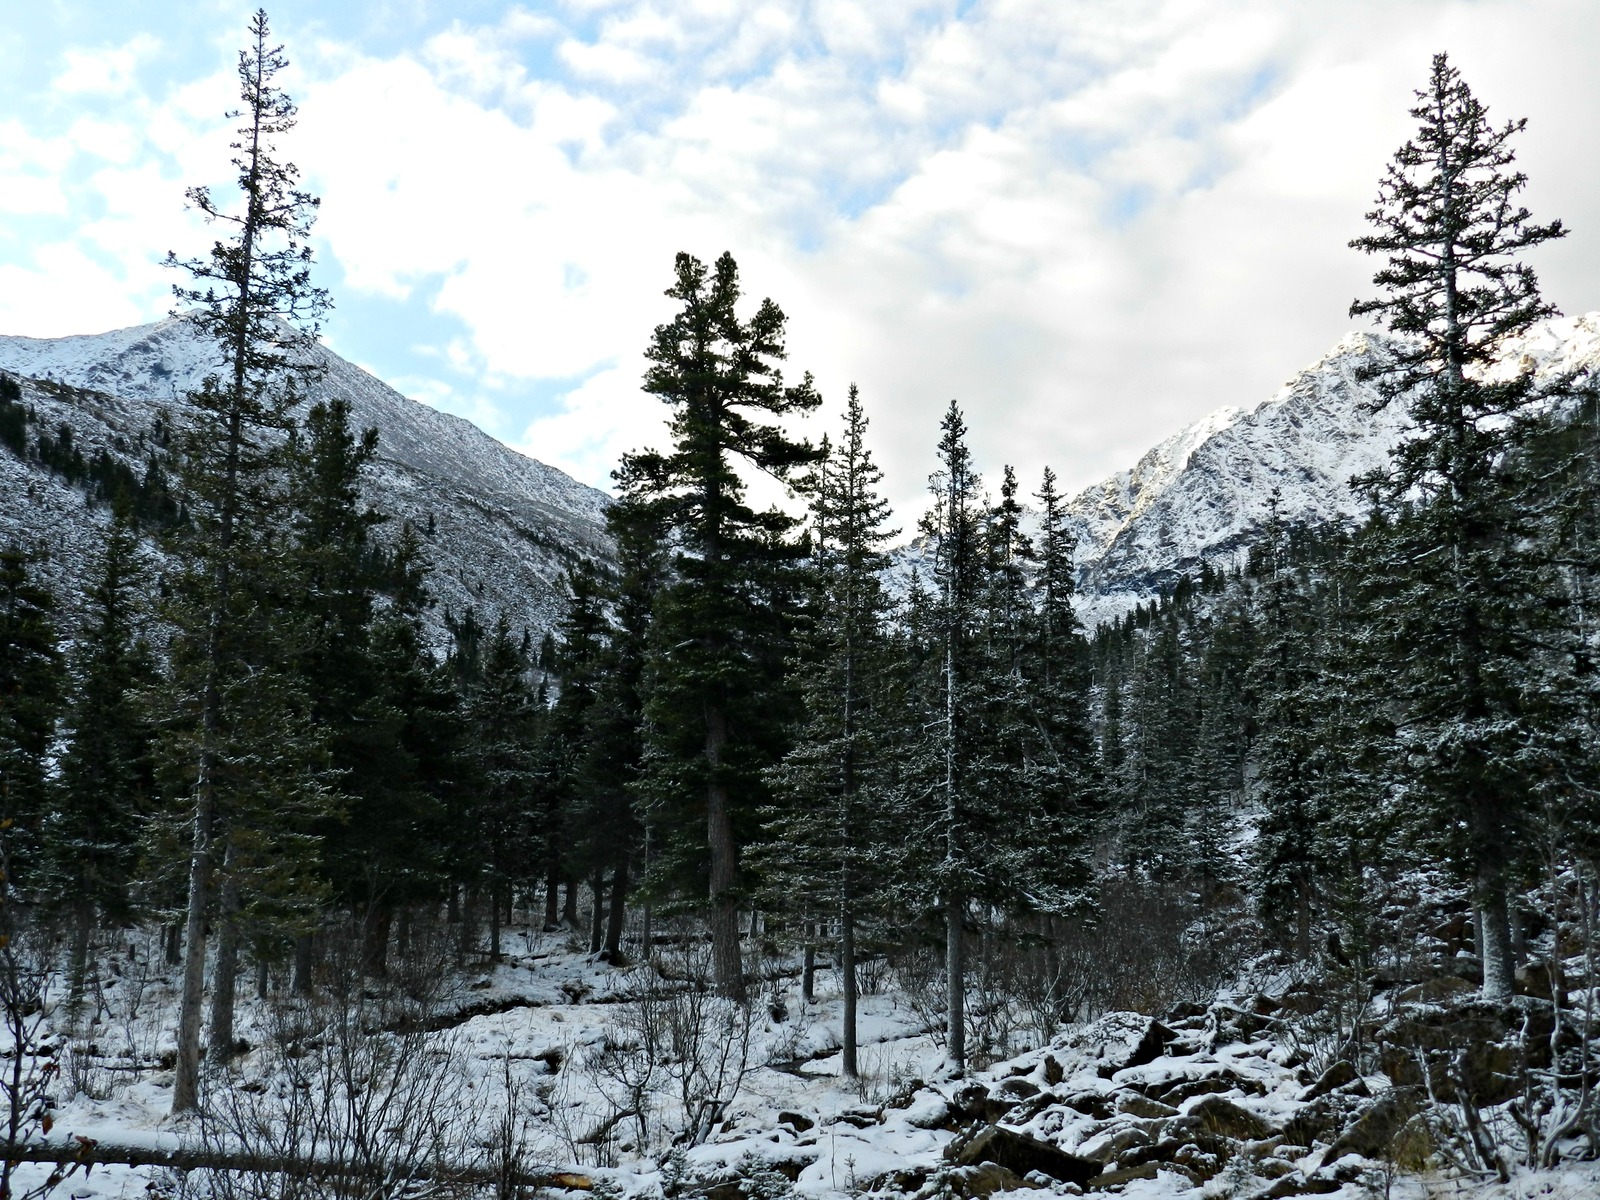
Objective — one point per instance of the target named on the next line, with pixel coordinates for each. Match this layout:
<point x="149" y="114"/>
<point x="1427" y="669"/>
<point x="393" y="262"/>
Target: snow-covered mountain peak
<point x="500" y="526"/>
<point x="1204" y="492"/>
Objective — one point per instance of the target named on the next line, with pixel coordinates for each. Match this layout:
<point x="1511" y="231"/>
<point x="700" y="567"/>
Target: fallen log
<point x="86" y="1153"/>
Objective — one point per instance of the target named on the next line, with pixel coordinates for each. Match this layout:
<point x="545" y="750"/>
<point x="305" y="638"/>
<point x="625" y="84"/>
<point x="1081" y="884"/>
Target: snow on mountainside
<point x="1202" y="494"/>
<point x="499" y="527"/>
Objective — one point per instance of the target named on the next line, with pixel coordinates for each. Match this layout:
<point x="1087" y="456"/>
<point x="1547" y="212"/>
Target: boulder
<point x="1227" y="1119"/>
<point x="1136" y="1105"/>
<point x="1536" y="979"/>
<point x="1480" y="1046"/>
<point x="1336" y="1076"/>
<point x="1015" y="1088"/>
<point x="1374" y="1133"/>
<point x="1223" y="1081"/>
<point x="1120" y="1040"/>
<point x="795" y="1121"/>
<point x="1090" y="1104"/>
<point x="981" y="1180"/>
<point x="1299" y="1185"/>
<point x="1023" y="1154"/>
<point x="1112" y="1144"/>
<point x="1435" y="991"/>
<point x="975" y="1102"/>
<point x="1149" y="1170"/>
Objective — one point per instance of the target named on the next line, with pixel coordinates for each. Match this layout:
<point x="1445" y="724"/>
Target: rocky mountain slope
<point x="1204" y="492"/>
<point x="498" y="526"/>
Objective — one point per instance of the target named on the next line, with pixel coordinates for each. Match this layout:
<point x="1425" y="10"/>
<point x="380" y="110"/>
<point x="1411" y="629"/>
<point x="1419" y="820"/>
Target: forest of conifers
<point x="1368" y="749"/>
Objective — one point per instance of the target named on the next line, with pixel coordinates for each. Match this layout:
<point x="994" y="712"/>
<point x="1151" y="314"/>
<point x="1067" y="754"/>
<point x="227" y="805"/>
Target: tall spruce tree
<point x="1458" y="582"/>
<point x="719" y="705"/>
<point x="31" y="681"/>
<point x="503" y="723"/>
<point x="253" y="298"/>
<point x="826" y="832"/>
<point x="106" y="786"/>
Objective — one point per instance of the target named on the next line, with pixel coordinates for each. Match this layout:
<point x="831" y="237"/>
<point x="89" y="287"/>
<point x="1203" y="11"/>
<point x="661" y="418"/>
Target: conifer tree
<point x="826" y="832"/>
<point x="1457" y="580"/>
<point x="30" y="699"/>
<point x="105" y="790"/>
<point x="254" y="300"/>
<point x="503" y="723"/>
<point x="718" y="704"/>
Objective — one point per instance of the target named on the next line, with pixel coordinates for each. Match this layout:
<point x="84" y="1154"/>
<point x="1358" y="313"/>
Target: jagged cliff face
<point x="1203" y="494"/>
<point x="499" y="527"/>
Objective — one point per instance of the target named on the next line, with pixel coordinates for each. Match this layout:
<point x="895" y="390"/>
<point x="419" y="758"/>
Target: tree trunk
<point x="261" y="969"/>
<point x="375" y="940"/>
<point x="225" y="973"/>
<point x="612" y="953"/>
<point x="569" y="905"/>
<point x="955" y="968"/>
<point x="303" y="964"/>
<point x="172" y="944"/>
<point x="468" y="933"/>
<point x="186" y="1068"/>
<point x="597" y="887"/>
<point x="847" y="979"/>
<point x="1499" y="977"/>
<point x="78" y="965"/>
<point x="727" y="963"/>
<point x="552" y="898"/>
<point x="494" y="923"/>
<point x="808" y="969"/>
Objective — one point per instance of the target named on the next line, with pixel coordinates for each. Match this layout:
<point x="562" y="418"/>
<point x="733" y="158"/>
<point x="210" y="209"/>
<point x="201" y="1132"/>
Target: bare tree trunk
<point x="261" y="969"/>
<point x="808" y="969"/>
<point x="78" y="964"/>
<point x="225" y="973"/>
<point x="172" y="944"/>
<point x="597" y="888"/>
<point x="726" y="961"/>
<point x="186" y="1070"/>
<point x="494" y="922"/>
<point x="304" y="963"/>
<point x="375" y="939"/>
<point x="612" y="952"/>
<point x="552" y="897"/>
<point x="569" y="905"/>
<point x="955" y="987"/>
<point x="1498" y="974"/>
<point x="847" y="979"/>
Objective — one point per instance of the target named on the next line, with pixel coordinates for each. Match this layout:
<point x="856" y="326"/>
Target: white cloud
<point x="107" y="71"/>
<point x="1089" y="222"/>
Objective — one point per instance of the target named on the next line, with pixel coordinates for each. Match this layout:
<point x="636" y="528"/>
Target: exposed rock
<point x="982" y="1180"/>
<point x="1116" y="1179"/>
<point x="1227" y="1119"/>
<point x="1300" y="1185"/>
<point x="1112" y="1144"/>
<point x="1022" y="1154"/>
<point x="1223" y="1081"/>
<point x="1478" y="1046"/>
<point x="1535" y="979"/>
<point x="974" y="1102"/>
<point x="1015" y="1088"/>
<point x="1136" y="1105"/>
<point x="1120" y="1040"/>
<point x="795" y="1121"/>
<point x="1336" y="1076"/>
<point x="1091" y="1104"/>
<point x="1434" y="991"/>
<point x="1373" y="1134"/>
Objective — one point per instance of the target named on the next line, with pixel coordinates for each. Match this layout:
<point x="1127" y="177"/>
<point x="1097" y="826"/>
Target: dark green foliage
<point x="719" y="704"/>
<point x="827" y="831"/>
<point x="502" y="719"/>
<point x="106" y="788"/>
<point x="1456" y="587"/>
<point x="30" y="702"/>
<point x="13" y="417"/>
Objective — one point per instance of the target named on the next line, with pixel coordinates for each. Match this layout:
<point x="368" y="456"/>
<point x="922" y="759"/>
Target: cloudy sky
<point x="1090" y="221"/>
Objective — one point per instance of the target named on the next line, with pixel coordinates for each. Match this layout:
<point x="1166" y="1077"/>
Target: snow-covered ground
<point x="1211" y="1104"/>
